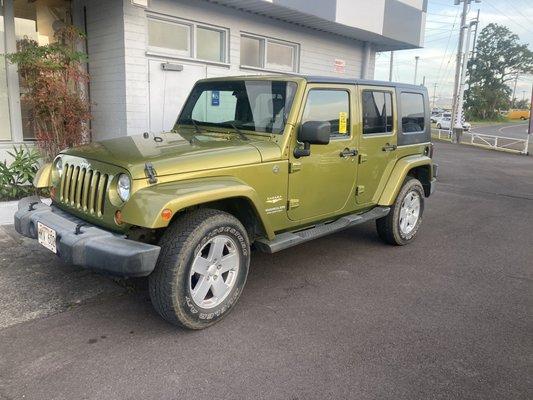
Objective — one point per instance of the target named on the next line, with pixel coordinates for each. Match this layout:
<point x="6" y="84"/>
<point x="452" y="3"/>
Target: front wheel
<point x="401" y="225"/>
<point x="439" y="126"/>
<point x="201" y="270"/>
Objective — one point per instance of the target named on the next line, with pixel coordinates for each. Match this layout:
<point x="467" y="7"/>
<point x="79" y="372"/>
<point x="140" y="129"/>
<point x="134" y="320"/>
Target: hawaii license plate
<point x="47" y="237"/>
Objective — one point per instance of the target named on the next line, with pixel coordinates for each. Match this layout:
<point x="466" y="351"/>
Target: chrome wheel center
<point x="214" y="271"/>
<point x="409" y="212"/>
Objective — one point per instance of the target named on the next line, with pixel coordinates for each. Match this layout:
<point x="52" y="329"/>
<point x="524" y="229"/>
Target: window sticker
<point x="343" y="116"/>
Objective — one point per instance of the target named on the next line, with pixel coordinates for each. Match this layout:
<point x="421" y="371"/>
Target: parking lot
<point x="342" y="317"/>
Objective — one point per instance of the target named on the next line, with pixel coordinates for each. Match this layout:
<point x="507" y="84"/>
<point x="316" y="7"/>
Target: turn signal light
<point x="118" y="217"/>
<point x="166" y="214"/>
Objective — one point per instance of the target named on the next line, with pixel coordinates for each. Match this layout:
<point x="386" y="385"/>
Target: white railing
<point x="500" y="142"/>
<point x="491" y="141"/>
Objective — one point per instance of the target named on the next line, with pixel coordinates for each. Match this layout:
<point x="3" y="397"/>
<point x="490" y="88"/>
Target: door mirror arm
<point x="303" y="152"/>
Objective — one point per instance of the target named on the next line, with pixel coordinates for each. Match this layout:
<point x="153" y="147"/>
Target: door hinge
<point x="362" y="158"/>
<point x="360" y="189"/>
<point x="293" y="203"/>
<point x="294" y="167"/>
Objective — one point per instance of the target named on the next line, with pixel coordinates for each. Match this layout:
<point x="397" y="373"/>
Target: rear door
<point x="378" y="141"/>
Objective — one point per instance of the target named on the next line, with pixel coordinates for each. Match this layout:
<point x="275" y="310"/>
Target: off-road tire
<point x="388" y="227"/>
<point x="169" y="282"/>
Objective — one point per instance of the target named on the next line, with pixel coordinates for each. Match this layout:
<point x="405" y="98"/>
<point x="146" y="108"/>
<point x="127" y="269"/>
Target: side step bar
<point x="289" y="239"/>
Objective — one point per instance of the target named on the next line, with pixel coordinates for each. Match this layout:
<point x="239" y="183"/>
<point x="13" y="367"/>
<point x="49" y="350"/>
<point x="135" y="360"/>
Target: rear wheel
<point x="401" y="225"/>
<point x="201" y="270"/>
<point x="439" y="126"/>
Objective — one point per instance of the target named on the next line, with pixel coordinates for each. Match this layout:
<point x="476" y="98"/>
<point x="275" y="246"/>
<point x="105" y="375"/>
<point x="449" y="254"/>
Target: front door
<point x="323" y="183"/>
<point x="378" y="141"/>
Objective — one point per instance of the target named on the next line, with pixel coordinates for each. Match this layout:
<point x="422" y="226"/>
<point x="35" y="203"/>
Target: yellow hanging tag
<point x="343" y="116"/>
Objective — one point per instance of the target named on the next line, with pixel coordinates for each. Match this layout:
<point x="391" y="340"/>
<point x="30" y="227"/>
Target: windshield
<point x="253" y="105"/>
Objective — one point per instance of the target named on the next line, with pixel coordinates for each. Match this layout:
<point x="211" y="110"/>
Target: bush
<point x="16" y="178"/>
<point x="53" y="78"/>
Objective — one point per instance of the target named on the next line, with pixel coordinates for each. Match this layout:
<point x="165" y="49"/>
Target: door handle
<point x="389" y="147"/>
<point x="348" y="153"/>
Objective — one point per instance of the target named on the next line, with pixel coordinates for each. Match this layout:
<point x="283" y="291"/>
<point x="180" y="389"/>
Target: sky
<point x="437" y="58"/>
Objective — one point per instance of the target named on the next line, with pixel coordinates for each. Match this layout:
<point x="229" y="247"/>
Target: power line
<point x="508" y="17"/>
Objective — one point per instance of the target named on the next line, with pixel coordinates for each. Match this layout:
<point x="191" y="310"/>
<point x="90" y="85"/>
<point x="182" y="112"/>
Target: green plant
<point x="54" y="80"/>
<point x="16" y="177"/>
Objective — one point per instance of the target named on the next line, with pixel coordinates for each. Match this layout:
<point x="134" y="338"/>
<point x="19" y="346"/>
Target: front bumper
<point x="86" y="245"/>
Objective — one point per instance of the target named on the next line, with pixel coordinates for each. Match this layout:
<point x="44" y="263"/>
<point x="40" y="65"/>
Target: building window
<point x="262" y="52"/>
<point x="331" y="106"/>
<point x="169" y="36"/>
<point x="187" y="39"/>
<point x="377" y="112"/>
<point x="412" y="112"/>
<point x="209" y="44"/>
<point x="5" y="126"/>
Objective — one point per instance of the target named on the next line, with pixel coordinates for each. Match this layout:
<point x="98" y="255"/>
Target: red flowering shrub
<point x="54" y="81"/>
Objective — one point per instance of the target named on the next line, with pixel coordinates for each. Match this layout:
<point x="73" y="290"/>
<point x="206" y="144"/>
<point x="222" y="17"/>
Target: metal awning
<point x="299" y="18"/>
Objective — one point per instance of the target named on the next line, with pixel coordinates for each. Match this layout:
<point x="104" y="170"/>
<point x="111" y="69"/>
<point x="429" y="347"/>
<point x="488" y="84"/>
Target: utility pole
<point x="391" y="65"/>
<point x="416" y="68"/>
<point x="460" y="96"/>
<point x="434" y="94"/>
<point x="523" y="95"/>
<point x="456" y="124"/>
<point x="474" y="53"/>
<point x="424" y="80"/>
<point x="514" y="90"/>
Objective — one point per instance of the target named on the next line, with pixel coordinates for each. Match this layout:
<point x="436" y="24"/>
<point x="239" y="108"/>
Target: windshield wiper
<point x="238" y="131"/>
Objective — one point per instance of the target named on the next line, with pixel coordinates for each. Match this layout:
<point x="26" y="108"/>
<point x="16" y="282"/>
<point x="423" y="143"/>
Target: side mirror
<point x="312" y="132"/>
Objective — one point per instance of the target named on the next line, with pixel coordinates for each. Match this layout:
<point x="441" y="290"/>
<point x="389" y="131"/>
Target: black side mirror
<point x="312" y="132"/>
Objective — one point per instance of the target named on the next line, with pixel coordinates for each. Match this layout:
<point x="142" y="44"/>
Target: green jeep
<point x="267" y="162"/>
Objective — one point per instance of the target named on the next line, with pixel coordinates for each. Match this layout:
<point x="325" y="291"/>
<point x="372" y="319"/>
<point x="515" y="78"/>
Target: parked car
<point x="445" y="123"/>
<point x="436" y="118"/>
<point x="275" y="161"/>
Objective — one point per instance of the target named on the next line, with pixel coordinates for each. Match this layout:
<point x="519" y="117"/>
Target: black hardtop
<point x="370" y="82"/>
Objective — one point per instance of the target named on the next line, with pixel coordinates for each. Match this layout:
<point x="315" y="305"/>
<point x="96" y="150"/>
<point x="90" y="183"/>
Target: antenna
<point x="164" y="99"/>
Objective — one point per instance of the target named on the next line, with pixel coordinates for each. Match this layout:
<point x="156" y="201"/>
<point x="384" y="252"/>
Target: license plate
<point x="47" y="237"/>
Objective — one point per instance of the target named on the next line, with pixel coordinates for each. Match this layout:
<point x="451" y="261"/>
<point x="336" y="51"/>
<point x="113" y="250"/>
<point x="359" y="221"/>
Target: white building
<point x="145" y="55"/>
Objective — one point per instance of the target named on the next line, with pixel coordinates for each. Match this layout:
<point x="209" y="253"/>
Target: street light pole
<point x="416" y="69"/>
<point x="391" y="65"/>
<point x="434" y="94"/>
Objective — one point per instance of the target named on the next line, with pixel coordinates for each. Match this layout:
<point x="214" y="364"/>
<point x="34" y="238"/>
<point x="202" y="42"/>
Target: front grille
<point x="84" y="189"/>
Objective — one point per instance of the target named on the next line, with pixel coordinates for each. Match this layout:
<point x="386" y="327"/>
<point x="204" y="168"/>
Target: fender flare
<point x="398" y="175"/>
<point x="145" y="206"/>
<point x="43" y="176"/>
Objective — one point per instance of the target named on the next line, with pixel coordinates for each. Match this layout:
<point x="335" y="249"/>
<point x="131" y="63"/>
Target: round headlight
<point x="124" y="187"/>
<point x="59" y="167"/>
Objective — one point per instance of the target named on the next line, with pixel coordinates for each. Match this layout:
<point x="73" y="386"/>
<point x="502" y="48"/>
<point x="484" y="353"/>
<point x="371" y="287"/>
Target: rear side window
<point x="329" y="105"/>
<point x="412" y="112"/>
<point x="377" y="112"/>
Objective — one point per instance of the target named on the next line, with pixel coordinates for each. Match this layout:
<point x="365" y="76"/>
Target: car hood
<point x="172" y="153"/>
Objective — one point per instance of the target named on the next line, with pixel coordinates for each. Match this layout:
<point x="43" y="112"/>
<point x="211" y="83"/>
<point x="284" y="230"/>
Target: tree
<point x="499" y="57"/>
<point x="54" y="79"/>
<point x="521" y="104"/>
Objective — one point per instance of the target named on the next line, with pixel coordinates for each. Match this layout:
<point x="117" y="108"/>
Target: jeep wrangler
<point x="262" y="161"/>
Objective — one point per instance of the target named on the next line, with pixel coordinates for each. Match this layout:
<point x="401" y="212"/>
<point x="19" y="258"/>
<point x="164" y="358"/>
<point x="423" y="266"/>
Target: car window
<point x="377" y="112"/>
<point x="329" y="105"/>
<point x="412" y="112"/>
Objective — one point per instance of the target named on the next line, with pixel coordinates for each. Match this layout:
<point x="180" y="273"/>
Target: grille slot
<point x="84" y="189"/>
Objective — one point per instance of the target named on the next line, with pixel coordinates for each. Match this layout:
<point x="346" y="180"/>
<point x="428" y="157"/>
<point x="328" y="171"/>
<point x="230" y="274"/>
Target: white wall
<point x="105" y="47"/>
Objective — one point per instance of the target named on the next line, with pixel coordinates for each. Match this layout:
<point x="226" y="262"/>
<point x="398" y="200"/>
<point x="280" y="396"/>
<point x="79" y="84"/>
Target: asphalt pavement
<point x="342" y="317"/>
